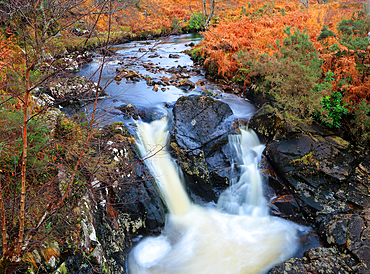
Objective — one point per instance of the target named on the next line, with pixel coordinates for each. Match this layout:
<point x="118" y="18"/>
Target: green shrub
<point x="332" y="111"/>
<point x="197" y="22"/>
<point x="353" y="32"/>
<point x="290" y="75"/>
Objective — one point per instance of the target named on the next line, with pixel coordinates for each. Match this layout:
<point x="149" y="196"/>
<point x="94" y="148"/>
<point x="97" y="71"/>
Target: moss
<point x="306" y="159"/>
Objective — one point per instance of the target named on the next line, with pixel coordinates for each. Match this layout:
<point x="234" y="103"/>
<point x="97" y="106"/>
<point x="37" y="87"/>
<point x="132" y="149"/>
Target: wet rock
<point x="202" y="122"/>
<point x="172" y="55"/>
<point x="331" y="184"/>
<point x="129" y="111"/>
<point x="349" y="231"/>
<point x="186" y="83"/>
<point x="156" y="87"/>
<point x="132" y="75"/>
<point x="266" y="122"/>
<point x="318" y="260"/>
<point x="154" y="81"/>
<point x="74" y="90"/>
<point x="155" y="55"/>
<point x="202" y="126"/>
<point x="151" y="114"/>
<point x="286" y="206"/>
<point x="177" y="70"/>
<point x="200" y="83"/>
<point x="315" y="166"/>
<point x="173" y="78"/>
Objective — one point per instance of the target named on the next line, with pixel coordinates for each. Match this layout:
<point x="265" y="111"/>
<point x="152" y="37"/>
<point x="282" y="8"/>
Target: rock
<point x="349" y="231"/>
<point x="80" y="28"/>
<point x="314" y="165"/>
<point x="73" y="90"/>
<point x="318" y="260"/>
<point x="155" y="55"/>
<point x="130" y="203"/>
<point x="202" y="126"/>
<point x="186" y="83"/>
<point x="266" y="122"/>
<point x="156" y="87"/>
<point x="200" y="83"/>
<point x="172" y="55"/>
<point x="202" y="122"/>
<point x="129" y="111"/>
<point x="285" y="206"/>
<point x="330" y="180"/>
<point x="132" y="74"/>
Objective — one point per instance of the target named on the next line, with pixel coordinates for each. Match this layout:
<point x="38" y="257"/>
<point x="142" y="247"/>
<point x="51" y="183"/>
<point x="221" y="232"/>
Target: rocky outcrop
<point x="330" y="180"/>
<point x="129" y="203"/>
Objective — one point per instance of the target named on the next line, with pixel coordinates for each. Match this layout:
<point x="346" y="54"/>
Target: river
<point x="237" y="236"/>
<point x="150" y="59"/>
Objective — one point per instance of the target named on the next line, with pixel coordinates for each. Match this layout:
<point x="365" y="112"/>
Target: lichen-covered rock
<point x="318" y="260"/>
<point x="315" y="166"/>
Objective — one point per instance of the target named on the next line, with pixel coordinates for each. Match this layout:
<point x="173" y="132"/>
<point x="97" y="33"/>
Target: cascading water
<point x="237" y="237"/>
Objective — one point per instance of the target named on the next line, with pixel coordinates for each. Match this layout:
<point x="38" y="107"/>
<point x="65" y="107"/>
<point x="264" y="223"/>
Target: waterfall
<point x="245" y="195"/>
<point x="152" y="145"/>
<point x="239" y="236"/>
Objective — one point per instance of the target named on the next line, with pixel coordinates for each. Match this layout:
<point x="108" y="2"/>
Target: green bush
<point x="197" y="22"/>
<point x="353" y="32"/>
<point x="334" y="109"/>
<point x="288" y="76"/>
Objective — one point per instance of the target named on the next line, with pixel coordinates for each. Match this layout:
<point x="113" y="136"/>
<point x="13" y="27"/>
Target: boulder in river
<point x="186" y="84"/>
<point x="202" y="126"/>
<point x="174" y="55"/>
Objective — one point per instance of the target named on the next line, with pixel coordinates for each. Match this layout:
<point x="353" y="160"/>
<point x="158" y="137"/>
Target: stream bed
<point x="151" y="76"/>
<point x="161" y="65"/>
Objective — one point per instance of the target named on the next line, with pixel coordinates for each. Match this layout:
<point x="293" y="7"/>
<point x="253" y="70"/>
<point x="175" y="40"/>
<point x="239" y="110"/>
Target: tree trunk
<point x="24" y="160"/>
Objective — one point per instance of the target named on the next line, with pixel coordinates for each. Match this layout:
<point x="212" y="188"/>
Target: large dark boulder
<point x="202" y="126"/>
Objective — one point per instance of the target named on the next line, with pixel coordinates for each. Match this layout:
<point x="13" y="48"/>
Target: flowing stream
<point x="239" y="236"/>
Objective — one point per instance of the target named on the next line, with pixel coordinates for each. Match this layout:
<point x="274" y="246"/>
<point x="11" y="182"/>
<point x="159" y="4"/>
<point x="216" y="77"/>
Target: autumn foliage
<point x="250" y="47"/>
